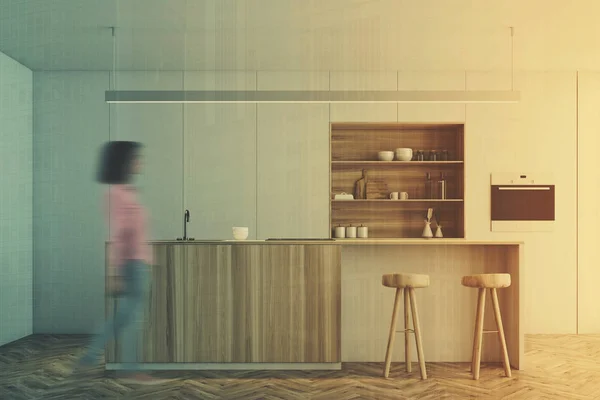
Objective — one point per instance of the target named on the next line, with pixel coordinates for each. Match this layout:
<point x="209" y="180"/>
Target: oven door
<point x="522" y="207"/>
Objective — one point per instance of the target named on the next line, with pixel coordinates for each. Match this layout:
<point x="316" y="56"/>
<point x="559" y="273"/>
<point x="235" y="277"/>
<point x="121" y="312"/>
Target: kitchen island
<point x="313" y="304"/>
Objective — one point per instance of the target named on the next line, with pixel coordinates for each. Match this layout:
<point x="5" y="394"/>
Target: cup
<point x="240" y="232"/>
<point x="403" y="195"/>
<point x="394" y="196"/>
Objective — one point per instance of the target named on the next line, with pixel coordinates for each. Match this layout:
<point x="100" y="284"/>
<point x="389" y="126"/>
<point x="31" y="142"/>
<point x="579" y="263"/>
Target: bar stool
<point x="491" y="282"/>
<point x="406" y="283"/>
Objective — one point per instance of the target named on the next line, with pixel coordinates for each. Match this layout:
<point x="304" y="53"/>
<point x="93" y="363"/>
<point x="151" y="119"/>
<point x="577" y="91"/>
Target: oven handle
<point x="523" y="188"/>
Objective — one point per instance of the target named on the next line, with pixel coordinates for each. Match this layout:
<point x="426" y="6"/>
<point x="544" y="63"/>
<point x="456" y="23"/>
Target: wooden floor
<point x="559" y="367"/>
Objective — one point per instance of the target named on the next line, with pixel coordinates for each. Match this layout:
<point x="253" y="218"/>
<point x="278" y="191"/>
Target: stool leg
<point x="478" y="333"/>
<point x="406" y="328"/>
<point x="475" y="334"/>
<point x="417" y="328"/>
<point x="500" y="332"/>
<point x="392" y="336"/>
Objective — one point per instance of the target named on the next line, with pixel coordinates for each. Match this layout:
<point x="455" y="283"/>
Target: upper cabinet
<point x="159" y="127"/>
<point x="293" y="158"/>
<point x="376" y="80"/>
<point x="220" y="159"/>
<point x="435" y="112"/>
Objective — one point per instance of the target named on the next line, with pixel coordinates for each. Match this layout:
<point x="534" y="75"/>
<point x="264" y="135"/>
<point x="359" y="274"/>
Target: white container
<point x="363" y="232"/>
<point x="240" y="232"/>
<point x="404" y="154"/>
<point x="351" y="232"/>
<point x="385" y="155"/>
<point x="340" y="232"/>
<point x="343" y="196"/>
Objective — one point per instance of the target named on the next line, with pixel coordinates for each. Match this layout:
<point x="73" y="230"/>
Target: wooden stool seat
<point x="401" y="281"/>
<point x="487" y="281"/>
<point x="405" y="283"/>
<point x="490" y="282"/>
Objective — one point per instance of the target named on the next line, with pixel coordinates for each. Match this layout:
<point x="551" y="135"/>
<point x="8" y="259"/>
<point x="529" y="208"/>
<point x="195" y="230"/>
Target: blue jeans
<point x="128" y="318"/>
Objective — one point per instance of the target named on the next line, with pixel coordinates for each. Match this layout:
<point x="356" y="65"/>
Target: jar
<point x="340" y="232"/>
<point x="433" y="155"/>
<point x="351" y="232"/>
<point x="420" y="155"/>
<point x="363" y="232"/>
<point x="444" y="156"/>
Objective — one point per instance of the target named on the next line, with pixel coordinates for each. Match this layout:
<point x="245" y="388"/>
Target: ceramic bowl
<point x="385" y="155"/>
<point x="404" y="154"/>
<point x="240" y="233"/>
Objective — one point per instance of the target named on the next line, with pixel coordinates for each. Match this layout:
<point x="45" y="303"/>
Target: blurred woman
<point x="129" y="257"/>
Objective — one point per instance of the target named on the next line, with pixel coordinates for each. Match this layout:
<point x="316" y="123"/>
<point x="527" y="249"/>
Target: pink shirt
<point x="128" y="226"/>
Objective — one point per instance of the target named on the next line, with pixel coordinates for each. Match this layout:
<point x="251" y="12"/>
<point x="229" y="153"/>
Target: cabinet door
<point x="436" y="112"/>
<point x="363" y="112"/>
<point x="293" y="170"/>
<point x="159" y="128"/>
<point x="220" y="159"/>
<point x="587" y="198"/>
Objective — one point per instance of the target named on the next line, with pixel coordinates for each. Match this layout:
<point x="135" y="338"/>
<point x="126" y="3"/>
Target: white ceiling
<point x="300" y="34"/>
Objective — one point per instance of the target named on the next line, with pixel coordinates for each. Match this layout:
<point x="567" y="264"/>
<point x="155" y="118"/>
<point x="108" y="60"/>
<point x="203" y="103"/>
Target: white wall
<point x="16" y="175"/>
<point x="260" y="166"/>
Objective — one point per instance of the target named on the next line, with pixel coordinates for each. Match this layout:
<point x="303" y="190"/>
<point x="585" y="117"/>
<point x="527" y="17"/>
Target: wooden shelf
<point x="354" y="148"/>
<point x="394" y="163"/>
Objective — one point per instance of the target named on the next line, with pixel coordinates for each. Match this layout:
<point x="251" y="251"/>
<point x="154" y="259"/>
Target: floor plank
<point x="559" y="367"/>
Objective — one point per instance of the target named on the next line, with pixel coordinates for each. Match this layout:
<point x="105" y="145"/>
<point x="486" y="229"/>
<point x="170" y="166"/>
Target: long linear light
<point x="382" y="96"/>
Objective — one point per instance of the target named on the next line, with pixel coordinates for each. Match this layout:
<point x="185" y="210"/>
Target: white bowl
<point x="240" y="233"/>
<point x="404" y="154"/>
<point x="385" y="155"/>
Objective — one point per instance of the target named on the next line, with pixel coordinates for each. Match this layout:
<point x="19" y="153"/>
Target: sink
<point x="199" y="240"/>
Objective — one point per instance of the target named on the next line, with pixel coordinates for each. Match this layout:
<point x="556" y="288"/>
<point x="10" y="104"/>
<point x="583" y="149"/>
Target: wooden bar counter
<point x="313" y="304"/>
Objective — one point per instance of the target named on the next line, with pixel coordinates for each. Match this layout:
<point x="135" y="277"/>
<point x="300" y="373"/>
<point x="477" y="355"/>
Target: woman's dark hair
<point x="116" y="160"/>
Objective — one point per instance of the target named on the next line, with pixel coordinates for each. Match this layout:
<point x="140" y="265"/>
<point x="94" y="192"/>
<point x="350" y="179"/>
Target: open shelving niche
<point x="354" y="148"/>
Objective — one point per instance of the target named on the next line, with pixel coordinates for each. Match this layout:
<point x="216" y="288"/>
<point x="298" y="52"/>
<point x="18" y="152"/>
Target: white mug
<point x="394" y="195"/>
<point x="403" y="196"/>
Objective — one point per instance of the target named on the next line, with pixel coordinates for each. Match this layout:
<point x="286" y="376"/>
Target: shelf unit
<point x="354" y="148"/>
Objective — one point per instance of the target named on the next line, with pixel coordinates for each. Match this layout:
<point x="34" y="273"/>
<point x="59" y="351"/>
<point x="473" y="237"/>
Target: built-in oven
<point x="522" y="202"/>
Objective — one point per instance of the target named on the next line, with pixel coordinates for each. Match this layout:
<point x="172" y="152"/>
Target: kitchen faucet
<point x="186" y="219"/>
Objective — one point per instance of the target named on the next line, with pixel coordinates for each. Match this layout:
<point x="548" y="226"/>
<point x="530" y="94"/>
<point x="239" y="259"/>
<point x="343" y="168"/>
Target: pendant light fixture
<point x="311" y="96"/>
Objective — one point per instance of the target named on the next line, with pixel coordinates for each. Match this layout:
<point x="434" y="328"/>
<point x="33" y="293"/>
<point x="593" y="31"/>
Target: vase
<point x="427" y="233"/>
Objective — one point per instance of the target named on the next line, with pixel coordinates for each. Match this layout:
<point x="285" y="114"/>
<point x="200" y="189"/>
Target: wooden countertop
<point x="348" y="242"/>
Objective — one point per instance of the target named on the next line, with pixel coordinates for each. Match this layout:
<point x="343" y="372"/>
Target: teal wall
<point x="16" y="264"/>
<point x="71" y="122"/>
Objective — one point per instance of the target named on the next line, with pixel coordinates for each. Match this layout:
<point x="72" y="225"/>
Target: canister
<point x="363" y="232"/>
<point x="351" y="232"/>
<point x="340" y="232"/>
